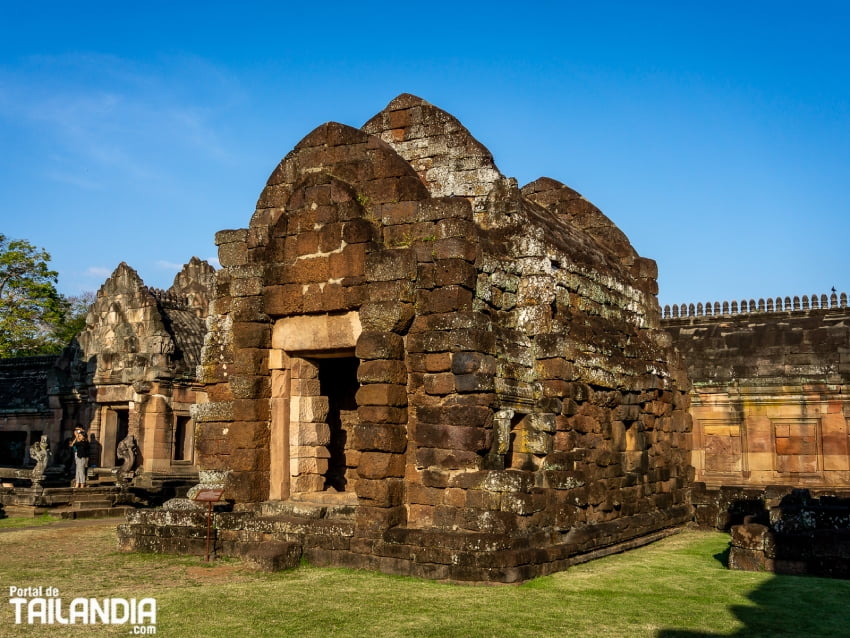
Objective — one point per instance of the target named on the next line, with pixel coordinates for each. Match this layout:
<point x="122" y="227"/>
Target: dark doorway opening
<point x="12" y="447"/>
<point x="182" y="438"/>
<point x="338" y="382"/>
<point x="122" y="428"/>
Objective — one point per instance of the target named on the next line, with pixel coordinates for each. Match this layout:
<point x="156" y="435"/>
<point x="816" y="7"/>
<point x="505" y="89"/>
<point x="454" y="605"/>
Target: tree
<point x="31" y="310"/>
<point x="74" y="322"/>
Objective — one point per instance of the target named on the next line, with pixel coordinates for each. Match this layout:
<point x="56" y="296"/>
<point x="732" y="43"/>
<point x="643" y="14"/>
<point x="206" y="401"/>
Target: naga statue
<point x="41" y="454"/>
<point x="127" y="451"/>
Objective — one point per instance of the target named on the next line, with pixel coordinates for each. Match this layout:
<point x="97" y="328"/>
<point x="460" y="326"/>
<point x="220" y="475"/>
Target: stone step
<point x="27" y="510"/>
<point x="269" y="556"/>
<point x="100" y="512"/>
<point x="321" y="505"/>
<point x="92" y="503"/>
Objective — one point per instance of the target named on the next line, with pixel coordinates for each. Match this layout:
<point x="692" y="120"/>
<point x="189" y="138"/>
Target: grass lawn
<point x="13" y="522"/>
<point x="676" y="587"/>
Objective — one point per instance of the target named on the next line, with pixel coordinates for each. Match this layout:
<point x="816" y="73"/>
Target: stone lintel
<point x="317" y="333"/>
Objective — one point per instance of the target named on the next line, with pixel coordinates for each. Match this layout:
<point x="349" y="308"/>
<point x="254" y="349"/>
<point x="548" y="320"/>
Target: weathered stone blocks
<point x="387" y="316"/>
<point x="379" y="345"/>
<point x="383" y="394"/>
<point x="381" y="437"/>
<point x="382" y="371"/>
<point x="308" y="434"/>
<point x="474" y="318"/>
<point x="308" y="409"/>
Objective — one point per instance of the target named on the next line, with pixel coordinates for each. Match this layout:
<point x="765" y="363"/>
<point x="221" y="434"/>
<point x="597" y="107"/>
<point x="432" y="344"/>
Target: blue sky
<point x="716" y="135"/>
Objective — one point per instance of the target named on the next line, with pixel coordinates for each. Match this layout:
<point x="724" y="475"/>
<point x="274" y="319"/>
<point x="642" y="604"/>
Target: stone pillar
<point x="157" y="424"/>
<point x="760" y="448"/>
<point x="309" y="433"/>
<point x="835" y="444"/>
<point x="279" y="470"/>
<point x="94" y="426"/>
<point x="107" y="436"/>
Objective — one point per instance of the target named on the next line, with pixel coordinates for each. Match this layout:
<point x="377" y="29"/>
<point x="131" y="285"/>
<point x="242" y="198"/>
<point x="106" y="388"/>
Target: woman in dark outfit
<point x="81" y="457"/>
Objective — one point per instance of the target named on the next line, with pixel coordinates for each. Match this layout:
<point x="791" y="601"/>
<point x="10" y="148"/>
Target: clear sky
<point x="715" y="134"/>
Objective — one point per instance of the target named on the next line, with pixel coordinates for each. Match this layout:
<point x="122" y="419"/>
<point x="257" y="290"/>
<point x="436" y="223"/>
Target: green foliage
<point x="76" y="309"/>
<point x="30" y="306"/>
<point x="34" y="317"/>
<point x="362" y="199"/>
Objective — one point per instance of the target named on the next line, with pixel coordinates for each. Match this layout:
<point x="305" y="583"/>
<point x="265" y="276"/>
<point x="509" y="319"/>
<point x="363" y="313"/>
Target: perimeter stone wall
<point x="770" y="383"/>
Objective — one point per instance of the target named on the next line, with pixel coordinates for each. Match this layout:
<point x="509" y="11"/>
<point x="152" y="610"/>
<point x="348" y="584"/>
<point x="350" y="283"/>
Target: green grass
<point x="676" y="587"/>
<point x="14" y="522"/>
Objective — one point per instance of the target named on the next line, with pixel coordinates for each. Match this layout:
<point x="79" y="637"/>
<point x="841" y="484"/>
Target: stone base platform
<point x="724" y="507"/>
<point x="277" y="535"/>
<point x="106" y="494"/>
<point x="42" y="500"/>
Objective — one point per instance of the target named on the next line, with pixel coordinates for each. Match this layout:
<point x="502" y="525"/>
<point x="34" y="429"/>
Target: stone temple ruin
<point x="415" y="366"/>
<point x="410" y="364"/>
<point x="771" y="451"/>
<point x="770" y="385"/>
<point x="129" y="378"/>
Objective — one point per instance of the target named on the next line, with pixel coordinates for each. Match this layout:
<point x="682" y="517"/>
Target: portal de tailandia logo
<point x="43" y="605"/>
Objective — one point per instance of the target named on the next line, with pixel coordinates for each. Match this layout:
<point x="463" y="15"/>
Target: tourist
<point x="81" y="456"/>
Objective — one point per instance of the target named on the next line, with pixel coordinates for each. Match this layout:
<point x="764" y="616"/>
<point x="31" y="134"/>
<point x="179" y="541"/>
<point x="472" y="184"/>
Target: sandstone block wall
<point x="26" y="411"/>
<point x="769" y="398"/>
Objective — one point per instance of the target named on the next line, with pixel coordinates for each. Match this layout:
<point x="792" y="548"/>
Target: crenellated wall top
<point x="746" y="307"/>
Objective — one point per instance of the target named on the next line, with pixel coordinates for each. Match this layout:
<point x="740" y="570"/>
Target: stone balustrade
<point x="769" y="305"/>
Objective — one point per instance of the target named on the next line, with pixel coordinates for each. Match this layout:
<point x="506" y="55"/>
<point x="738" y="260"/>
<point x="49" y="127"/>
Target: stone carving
<point x="127" y="451"/>
<point x="140" y="334"/>
<point x="777" y="305"/>
<point x="41" y="454"/>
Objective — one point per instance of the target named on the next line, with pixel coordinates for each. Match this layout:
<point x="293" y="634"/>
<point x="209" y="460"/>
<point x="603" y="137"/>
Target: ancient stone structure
<point x="415" y="366"/>
<point x="141" y="348"/>
<point x="41" y="454"/>
<point x="27" y="408"/>
<point x="770" y="387"/>
<point x="770" y="410"/>
<point x="127" y="452"/>
<point x="131" y="371"/>
<point x="798" y="535"/>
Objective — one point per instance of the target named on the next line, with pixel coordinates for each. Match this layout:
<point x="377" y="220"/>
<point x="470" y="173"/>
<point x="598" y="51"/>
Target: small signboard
<point x="209" y="495"/>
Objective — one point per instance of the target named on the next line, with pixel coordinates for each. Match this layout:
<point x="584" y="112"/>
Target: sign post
<point x="209" y="496"/>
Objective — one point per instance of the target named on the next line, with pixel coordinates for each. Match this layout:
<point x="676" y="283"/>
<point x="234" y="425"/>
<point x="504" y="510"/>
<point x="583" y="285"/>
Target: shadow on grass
<point x="787" y="606"/>
<point x="723" y="557"/>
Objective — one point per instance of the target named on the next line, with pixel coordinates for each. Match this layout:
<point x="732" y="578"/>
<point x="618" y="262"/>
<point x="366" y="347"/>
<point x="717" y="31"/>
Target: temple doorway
<point x="338" y="382"/>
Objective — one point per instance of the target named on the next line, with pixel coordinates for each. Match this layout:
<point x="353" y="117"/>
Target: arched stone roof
<point x="347" y="154"/>
<point x="575" y="210"/>
<point x="445" y="155"/>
